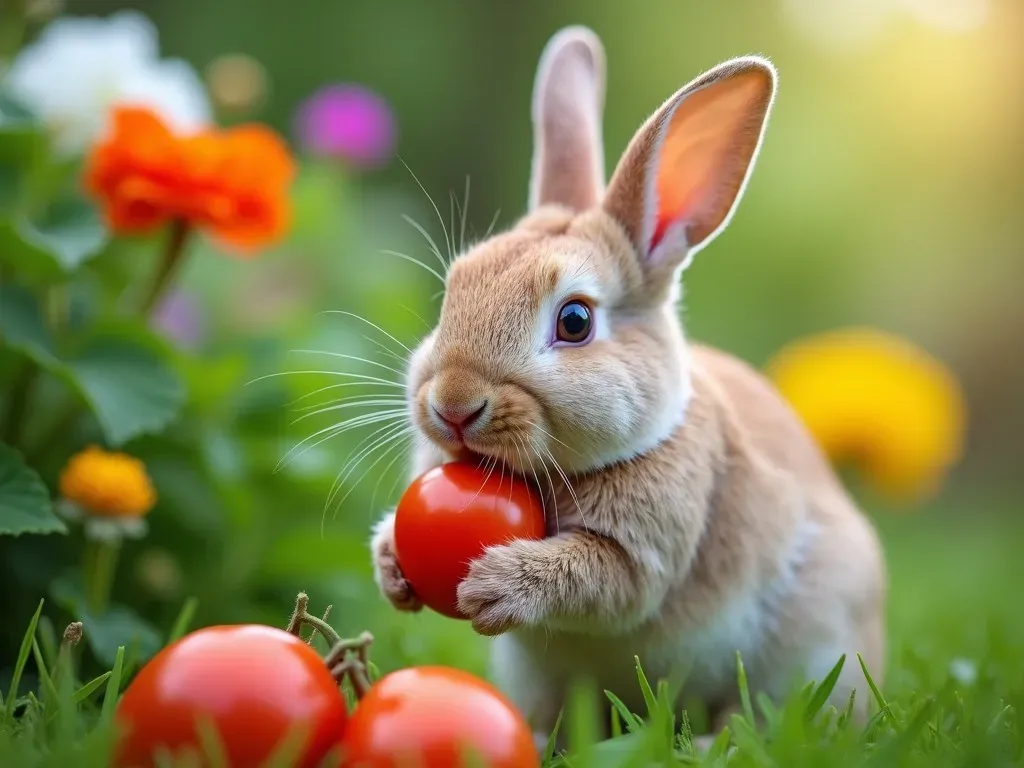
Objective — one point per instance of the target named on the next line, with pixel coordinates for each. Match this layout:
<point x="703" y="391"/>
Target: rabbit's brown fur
<point x="690" y="513"/>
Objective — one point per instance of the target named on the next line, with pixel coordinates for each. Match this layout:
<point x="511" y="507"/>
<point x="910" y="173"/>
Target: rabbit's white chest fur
<point x="533" y="665"/>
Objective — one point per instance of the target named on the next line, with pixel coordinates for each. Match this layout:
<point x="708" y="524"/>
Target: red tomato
<point x="448" y="516"/>
<point x="254" y="682"/>
<point x="430" y="716"/>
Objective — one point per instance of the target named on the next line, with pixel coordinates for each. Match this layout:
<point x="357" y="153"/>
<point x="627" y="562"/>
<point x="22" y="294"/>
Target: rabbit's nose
<point x="459" y="416"/>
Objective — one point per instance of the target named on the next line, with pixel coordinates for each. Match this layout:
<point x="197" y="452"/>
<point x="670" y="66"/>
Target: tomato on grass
<point x="431" y="716"/>
<point x="253" y="683"/>
<point x="448" y="516"/>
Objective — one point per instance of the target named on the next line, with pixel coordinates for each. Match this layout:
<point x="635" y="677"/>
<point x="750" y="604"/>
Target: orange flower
<point x="233" y="183"/>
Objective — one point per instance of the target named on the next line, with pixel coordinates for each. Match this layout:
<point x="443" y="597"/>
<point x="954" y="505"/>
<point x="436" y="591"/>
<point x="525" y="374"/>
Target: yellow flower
<point x="112" y="491"/>
<point x="878" y="402"/>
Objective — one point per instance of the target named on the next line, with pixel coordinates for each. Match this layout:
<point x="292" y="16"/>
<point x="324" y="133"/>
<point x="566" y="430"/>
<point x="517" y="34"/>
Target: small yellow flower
<point x="111" y="491"/>
<point x="878" y="402"/>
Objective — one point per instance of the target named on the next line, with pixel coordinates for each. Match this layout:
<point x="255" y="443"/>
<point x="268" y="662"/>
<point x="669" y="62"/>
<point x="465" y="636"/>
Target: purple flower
<point x="179" y="317"/>
<point x="349" y="122"/>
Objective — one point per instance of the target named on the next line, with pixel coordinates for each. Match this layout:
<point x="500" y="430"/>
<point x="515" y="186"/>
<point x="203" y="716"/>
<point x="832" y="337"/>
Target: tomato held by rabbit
<point x="448" y="516"/>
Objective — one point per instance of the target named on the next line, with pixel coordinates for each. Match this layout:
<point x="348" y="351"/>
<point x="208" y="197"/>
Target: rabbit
<point x="690" y="514"/>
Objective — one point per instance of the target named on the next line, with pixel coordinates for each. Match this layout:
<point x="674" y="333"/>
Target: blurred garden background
<point x="888" y="195"/>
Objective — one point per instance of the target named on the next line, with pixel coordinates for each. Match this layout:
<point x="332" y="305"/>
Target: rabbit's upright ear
<point x="568" y="99"/>
<point x="683" y="173"/>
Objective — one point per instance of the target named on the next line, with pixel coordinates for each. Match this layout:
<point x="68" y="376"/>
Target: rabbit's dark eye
<point x="574" y="322"/>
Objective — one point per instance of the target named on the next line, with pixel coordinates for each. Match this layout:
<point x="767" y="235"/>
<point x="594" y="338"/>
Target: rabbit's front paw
<point x="498" y="593"/>
<point x="387" y="572"/>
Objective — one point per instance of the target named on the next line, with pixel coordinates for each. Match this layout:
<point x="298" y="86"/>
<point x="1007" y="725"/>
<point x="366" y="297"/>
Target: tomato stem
<point x="301" y="616"/>
<point x="347" y="657"/>
<point x="327" y="613"/>
<point x="295" y="622"/>
<point x="355" y="670"/>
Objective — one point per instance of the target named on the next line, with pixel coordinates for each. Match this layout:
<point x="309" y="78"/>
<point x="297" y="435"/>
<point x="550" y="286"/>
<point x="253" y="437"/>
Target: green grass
<point x="953" y="692"/>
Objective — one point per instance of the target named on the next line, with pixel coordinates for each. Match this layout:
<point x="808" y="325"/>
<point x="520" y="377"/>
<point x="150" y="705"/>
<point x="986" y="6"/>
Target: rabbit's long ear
<point x="683" y="173"/>
<point x="568" y="100"/>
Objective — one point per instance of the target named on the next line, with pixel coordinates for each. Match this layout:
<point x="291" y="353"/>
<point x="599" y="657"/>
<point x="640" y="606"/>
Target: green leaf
<point x="14" y="114"/>
<point x="130" y="389"/>
<point x="70" y="234"/>
<point x="22" y="325"/>
<point x="25" y="505"/>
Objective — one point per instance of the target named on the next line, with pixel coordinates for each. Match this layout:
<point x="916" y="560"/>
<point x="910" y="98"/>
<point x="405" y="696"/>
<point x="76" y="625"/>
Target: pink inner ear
<point x="706" y="148"/>
<point x="675" y="195"/>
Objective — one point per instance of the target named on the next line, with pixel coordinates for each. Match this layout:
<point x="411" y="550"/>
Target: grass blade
<point x="113" y="687"/>
<point x="645" y="686"/>
<point x="44" y="674"/>
<point x="633" y="723"/>
<point x="847" y="716"/>
<point x="286" y="754"/>
<point x="549" y="748"/>
<point x="184" y="620"/>
<point x="741" y="676"/>
<point x="748" y="740"/>
<point x="19" y="666"/>
<point x="616" y="723"/>
<point x="583" y="721"/>
<point x="824" y="690"/>
<point x="882" y="703"/>
<point x="90" y="688"/>
<point x="718" y="747"/>
<point x="47" y="637"/>
<point x="211" y="744"/>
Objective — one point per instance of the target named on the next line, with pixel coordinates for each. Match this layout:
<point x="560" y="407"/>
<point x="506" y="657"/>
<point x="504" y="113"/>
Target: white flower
<point x="100" y="528"/>
<point x="79" y="68"/>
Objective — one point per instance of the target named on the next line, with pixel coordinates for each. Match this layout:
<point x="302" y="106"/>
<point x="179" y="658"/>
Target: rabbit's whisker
<point x="343" y="374"/>
<point x="494" y="221"/>
<point x="337" y="429"/>
<point x="320" y="390"/>
<point x="492" y="462"/>
<point x="440" y="218"/>
<point x="392" y="432"/>
<point x="547" y="434"/>
<point x="395" y="441"/>
<point x="349" y="402"/>
<point x="568" y="485"/>
<point x="380" y="437"/>
<point x="343" y="356"/>
<point x="414" y="260"/>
